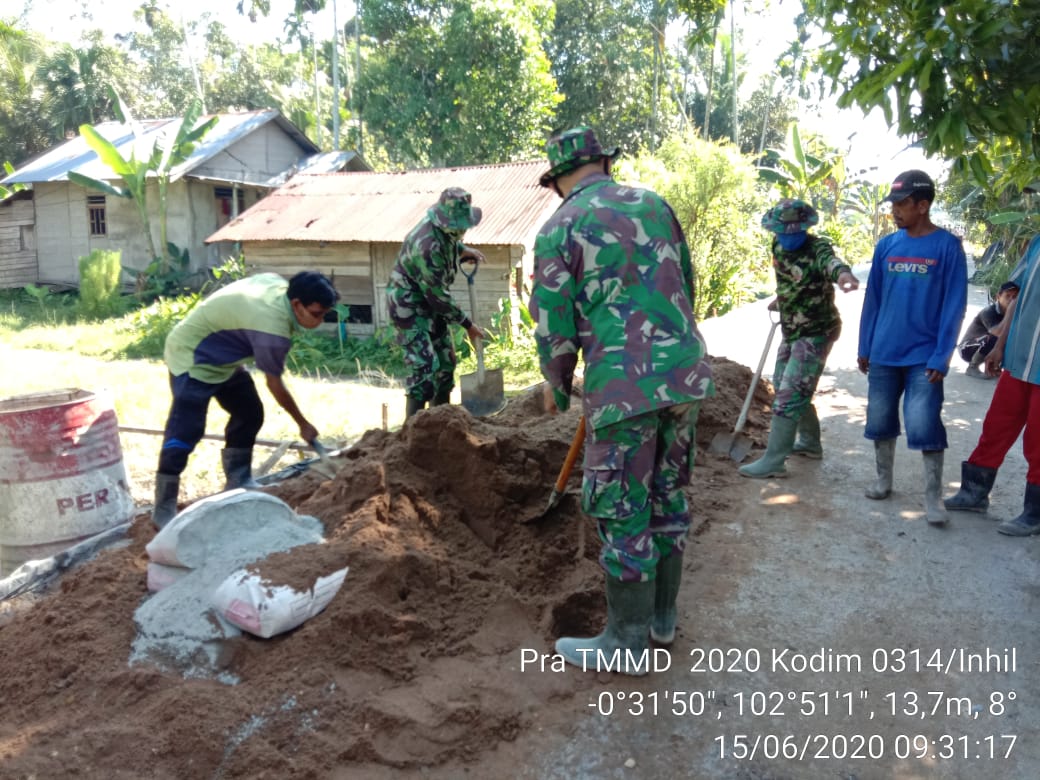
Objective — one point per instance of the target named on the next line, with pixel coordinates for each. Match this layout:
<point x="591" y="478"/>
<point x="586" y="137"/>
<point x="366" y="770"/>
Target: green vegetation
<point x="34" y="318"/>
<point x="99" y="294"/>
<point x="711" y="187"/>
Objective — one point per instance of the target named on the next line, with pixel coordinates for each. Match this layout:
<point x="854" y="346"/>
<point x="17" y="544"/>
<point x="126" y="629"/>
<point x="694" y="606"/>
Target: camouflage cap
<point x="790" y="216"/>
<point x="455" y="210"/>
<point x="571" y="149"/>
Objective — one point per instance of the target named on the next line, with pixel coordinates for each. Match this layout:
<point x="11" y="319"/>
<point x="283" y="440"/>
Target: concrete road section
<point x="824" y="635"/>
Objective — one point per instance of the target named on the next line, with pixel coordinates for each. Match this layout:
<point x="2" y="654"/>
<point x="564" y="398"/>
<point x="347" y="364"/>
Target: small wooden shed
<point x="350" y="226"/>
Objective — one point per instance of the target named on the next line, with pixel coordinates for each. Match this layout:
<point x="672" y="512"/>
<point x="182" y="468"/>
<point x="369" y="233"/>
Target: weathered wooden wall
<point x="17" y="244"/>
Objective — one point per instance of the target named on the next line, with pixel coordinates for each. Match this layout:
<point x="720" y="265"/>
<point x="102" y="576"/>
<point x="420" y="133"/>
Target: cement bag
<point x="264" y="609"/>
<point x="161" y="576"/>
<point x="205" y="528"/>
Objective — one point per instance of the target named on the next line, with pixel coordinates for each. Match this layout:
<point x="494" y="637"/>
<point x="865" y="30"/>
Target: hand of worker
<point x="934" y="375"/>
<point x="863" y="363"/>
<point x="774" y="305"/>
<point x="308" y="432"/>
<point x="548" y="399"/>
<point x="847" y="281"/>
<point x="475" y="333"/>
<point x="994" y="361"/>
<point x="471" y="255"/>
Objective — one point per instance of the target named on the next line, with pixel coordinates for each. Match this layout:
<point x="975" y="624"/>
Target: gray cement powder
<point x="177" y="628"/>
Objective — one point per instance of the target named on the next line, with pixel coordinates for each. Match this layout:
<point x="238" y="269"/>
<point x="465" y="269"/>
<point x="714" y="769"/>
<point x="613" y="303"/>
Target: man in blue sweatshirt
<point x="916" y="296"/>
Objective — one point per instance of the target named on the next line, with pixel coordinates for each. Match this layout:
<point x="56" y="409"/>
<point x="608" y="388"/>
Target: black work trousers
<point x="186" y="422"/>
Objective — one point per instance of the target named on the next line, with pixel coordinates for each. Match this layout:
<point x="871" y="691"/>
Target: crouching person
<point x="613" y="280"/>
<point x="249" y="321"/>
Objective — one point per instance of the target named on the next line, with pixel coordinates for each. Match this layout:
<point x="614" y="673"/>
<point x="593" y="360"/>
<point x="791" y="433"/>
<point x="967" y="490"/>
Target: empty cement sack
<point x="265" y="609"/>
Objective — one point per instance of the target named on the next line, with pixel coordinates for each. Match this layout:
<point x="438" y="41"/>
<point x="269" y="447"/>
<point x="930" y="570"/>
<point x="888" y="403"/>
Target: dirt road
<point x="927" y="639"/>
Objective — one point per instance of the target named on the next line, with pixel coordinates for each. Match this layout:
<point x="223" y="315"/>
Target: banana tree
<point x="6" y="192"/>
<point x="799" y="174"/>
<point x="168" y="151"/>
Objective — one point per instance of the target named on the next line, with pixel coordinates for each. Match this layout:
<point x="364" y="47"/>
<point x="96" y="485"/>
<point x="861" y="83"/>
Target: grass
<point x="47" y="346"/>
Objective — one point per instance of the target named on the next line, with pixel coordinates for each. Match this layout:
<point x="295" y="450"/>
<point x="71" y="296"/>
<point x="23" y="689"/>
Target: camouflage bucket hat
<point x="790" y="216"/>
<point x="455" y="210"/>
<point x="572" y="149"/>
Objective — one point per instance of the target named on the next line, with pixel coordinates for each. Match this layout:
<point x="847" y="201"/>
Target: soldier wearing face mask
<point x="806" y="269"/>
<point x="419" y="303"/>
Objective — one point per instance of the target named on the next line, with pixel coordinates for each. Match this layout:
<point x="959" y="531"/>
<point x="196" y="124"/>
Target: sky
<point x="874" y="152"/>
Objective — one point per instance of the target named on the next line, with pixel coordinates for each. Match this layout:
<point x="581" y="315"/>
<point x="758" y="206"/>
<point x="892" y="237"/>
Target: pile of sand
<point x="414" y="663"/>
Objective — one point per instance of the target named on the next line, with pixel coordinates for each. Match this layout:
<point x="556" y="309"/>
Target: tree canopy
<point x="450" y="82"/>
<point x="960" y="77"/>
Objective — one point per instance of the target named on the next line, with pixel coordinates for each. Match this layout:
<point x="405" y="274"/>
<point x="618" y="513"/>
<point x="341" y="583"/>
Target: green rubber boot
<point x="412" y="405"/>
<point x="808" y="442"/>
<point x="933" y="485"/>
<point x="884" y="456"/>
<point x="624" y="644"/>
<point x="781" y="440"/>
<point x="666" y="591"/>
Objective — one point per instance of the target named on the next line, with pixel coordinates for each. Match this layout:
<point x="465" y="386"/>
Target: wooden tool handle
<point x="572" y="456"/>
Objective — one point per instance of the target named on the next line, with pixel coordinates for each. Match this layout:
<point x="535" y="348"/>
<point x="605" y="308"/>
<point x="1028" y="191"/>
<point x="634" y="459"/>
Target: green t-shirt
<point x="249" y="320"/>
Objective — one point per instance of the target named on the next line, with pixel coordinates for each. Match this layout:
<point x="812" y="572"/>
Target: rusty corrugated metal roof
<point x="383" y="207"/>
<point x="77" y="155"/>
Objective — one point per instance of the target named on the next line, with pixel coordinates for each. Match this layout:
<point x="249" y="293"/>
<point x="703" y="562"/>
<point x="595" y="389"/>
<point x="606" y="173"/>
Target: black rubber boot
<point x="1027" y="523"/>
<point x="167" y="488"/>
<point x="623" y="645"/>
<point x="441" y="398"/>
<point x="669" y="575"/>
<point x="412" y="405"/>
<point x="973" y="495"/>
<point x="238" y="468"/>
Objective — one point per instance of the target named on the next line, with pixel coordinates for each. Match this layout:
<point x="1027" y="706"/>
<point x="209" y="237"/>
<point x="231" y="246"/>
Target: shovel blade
<point x="740" y="449"/>
<point x="483" y="398"/>
<point x="735" y="446"/>
<point x="721" y="444"/>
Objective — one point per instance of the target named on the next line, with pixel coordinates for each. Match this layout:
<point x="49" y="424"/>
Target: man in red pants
<point x="1015" y="404"/>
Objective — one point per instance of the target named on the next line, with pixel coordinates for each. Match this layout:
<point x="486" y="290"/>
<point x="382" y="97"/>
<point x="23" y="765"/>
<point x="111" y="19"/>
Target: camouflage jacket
<point x="805" y="288"/>
<point x="425" y="269"/>
<point x="613" y="278"/>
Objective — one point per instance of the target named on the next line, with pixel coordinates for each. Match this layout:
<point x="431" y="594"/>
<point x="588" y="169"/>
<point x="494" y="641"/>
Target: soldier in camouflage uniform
<point x="806" y="270"/>
<point x="613" y="279"/>
<point x="419" y="303"/>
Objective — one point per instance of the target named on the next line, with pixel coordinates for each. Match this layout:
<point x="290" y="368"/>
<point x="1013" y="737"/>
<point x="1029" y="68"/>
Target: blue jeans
<point x="922" y="406"/>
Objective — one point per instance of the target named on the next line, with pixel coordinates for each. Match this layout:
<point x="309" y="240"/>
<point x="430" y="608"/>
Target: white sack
<point x="264" y="609"/>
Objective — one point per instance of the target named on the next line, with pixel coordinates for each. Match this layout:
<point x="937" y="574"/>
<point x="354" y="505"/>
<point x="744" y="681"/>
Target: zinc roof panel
<point x="383" y="207"/>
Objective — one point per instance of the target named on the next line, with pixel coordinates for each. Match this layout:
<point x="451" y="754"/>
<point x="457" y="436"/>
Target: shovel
<point x="565" y="472"/>
<point x="482" y="392"/>
<point x="324" y="463"/>
<point x="733" y="444"/>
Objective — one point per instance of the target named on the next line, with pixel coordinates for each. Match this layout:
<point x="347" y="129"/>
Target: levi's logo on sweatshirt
<point x="910" y="265"/>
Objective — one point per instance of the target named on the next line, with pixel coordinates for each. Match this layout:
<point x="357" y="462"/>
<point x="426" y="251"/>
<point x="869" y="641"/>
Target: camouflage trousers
<point x="429" y="353"/>
<point x="799" y="365"/>
<point x="634" y="475"/>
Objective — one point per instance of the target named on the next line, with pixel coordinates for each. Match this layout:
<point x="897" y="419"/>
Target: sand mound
<point x="414" y="663"/>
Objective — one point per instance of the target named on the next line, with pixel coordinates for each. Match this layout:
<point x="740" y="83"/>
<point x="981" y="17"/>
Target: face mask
<point x="792" y="241"/>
